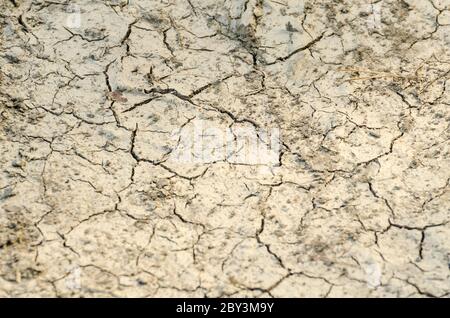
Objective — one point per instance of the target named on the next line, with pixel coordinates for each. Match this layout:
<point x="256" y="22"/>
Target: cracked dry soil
<point x="357" y="202"/>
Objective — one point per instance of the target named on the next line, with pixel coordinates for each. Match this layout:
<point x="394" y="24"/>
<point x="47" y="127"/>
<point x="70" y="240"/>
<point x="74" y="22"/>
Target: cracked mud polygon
<point x="128" y="165"/>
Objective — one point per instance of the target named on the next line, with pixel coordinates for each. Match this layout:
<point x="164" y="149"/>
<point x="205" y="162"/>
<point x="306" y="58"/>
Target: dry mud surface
<point x="98" y="99"/>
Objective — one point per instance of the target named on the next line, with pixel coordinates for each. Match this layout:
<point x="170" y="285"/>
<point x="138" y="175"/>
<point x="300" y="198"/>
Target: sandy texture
<point x="99" y="104"/>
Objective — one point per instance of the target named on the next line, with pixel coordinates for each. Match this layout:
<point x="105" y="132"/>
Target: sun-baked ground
<point x="103" y="194"/>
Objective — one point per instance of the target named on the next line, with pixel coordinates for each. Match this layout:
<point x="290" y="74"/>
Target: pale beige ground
<point x="357" y="204"/>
